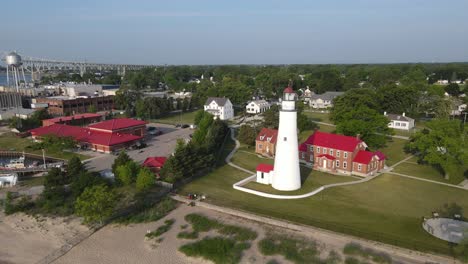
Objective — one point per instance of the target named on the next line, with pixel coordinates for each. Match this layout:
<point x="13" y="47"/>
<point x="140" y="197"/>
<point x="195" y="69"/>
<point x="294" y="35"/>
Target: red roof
<point x="330" y="157"/>
<point x="267" y="134"/>
<point x="156" y="162"/>
<point x="380" y="155"/>
<point x="334" y="141"/>
<point x="303" y="147"/>
<point x="84" y="134"/>
<point x="364" y="157"/>
<point x="288" y="90"/>
<point x="118" y="123"/>
<point x="265" y="167"/>
<point x="69" y="118"/>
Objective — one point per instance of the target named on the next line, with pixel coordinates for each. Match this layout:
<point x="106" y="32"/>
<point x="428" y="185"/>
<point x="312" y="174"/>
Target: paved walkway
<point x="426" y="180"/>
<point x="398" y="254"/>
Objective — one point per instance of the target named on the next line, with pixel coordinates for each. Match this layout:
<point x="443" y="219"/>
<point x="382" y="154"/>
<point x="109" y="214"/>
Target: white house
<point x="400" y="121"/>
<point x="324" y="100"/>
<point x="8" y="179"/>
<point x="458" y="109"/>
<point x="257" y="107"/>
<point x="219" y="107"/>
<point x="307" y="94"/>
<point x="265" y="173"/>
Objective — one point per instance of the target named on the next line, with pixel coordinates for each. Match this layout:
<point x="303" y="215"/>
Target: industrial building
<point x="64" y="105"/>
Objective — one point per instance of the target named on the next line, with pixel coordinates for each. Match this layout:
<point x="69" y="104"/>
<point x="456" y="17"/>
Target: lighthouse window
<point x="285" y="138"/>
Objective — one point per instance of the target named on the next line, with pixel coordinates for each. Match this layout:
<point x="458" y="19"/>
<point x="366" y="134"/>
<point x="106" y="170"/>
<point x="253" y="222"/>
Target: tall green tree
<point x="122" y="159"/>
<point x="96" y="203"/>
<point x="247" y="135"/>
<point x="145" y="179"/>
<point x="442" y="145"/>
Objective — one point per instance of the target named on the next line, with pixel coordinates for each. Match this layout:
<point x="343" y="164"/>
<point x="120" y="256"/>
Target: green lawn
<point x="9" y="141"/>
<point x="319" y="117"/>
<point x="179" y="118"/>
<point x="427" y="172"/>
<point x="311" y="180"/>
<point x="249" y="161"/>
<point x="394" y="151"/>
<point x="388" y="208"/>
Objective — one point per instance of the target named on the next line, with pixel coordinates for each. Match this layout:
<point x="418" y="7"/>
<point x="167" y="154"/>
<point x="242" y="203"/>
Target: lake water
<point x="3" y="78"/>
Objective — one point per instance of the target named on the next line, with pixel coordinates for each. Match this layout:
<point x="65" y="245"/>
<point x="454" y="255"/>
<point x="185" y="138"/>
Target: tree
<point x="145" y="179"/>
<point x="441" y="145"/>
<point x="366" y="123"/>
<point x="74" y="168"/>
<point x="84" y="180"/>
<point x="453" y="89"/>
<point x="122" y="159"/>
<point x="247" y="135"/>
<point x="353" y="99"/>
<point x="127" y="173"/>
<point x="96" y="203"/>
<point x="271" y="117"/>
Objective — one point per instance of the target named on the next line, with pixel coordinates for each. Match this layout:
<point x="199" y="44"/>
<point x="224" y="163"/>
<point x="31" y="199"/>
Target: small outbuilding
<point x="265" y="173"/>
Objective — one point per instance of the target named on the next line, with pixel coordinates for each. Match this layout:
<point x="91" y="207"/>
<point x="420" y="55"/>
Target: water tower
<point x="13" y="63"/>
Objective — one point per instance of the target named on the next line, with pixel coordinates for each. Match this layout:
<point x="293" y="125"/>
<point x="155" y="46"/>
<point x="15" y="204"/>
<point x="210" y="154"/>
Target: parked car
<point x="184" y="126"/>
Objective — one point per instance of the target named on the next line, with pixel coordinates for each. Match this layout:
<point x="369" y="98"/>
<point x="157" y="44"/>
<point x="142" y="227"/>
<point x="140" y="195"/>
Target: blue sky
<point x="238" y="31"/>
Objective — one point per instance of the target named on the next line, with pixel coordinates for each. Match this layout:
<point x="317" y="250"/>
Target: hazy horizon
<point x="211" y="32"/>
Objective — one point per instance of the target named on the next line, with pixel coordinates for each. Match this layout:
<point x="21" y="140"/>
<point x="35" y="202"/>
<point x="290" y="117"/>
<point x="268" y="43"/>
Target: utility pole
<point x="43" y="158"/>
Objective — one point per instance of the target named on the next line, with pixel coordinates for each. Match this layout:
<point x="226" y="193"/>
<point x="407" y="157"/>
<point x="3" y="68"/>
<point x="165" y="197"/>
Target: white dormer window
<point x="324" y="151"/>
<point x="331" y="152"/>
<point x="345" y="154"/>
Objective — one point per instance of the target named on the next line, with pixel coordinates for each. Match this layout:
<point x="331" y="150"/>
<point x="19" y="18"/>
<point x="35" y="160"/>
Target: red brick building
<point x="63" y="105"/>
<point x="75" y="120"/>
<point x="265" y="143"/>
<point x="98" y="139"/>
<point x="340" y="154"/>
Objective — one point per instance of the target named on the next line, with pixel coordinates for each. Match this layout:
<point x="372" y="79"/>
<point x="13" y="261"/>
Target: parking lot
<point x="162" y="145"/>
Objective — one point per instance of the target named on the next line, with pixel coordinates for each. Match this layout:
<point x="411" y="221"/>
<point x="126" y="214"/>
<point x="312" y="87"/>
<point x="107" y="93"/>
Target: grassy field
<point x="179" y="118"/>
<point x="9" y="141"/>
<point x="427" y="172"/>
<point x="394" y="151"/>
<point x="319" y="117"/>
<point x="388" y="208"/>
<point x="311" y="180"/>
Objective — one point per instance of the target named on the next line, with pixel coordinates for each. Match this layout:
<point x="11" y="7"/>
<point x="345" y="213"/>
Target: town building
<point x="265" y="143"/>
<point x="155" y="164"/>
<point x="10" y="100"/>
<point x="324" y="100"/>
<point x="8" y="179"/>
<point x="64" y="105"/>
<point x="285" y="175"/>
<point x="75" y="120"/>
<point x="307" y="94"/>
<point x="257" y="107"/>
<point x="340" y="154"/>
<point x="23" y="113"/>
<point x="401" y="122"/>
<point x="121" y="125"/>
<point x="220" y="107"/>
<point x="108" y="137"/>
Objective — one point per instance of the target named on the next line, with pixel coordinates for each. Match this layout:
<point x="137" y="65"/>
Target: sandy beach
<point x="26" y="239"/>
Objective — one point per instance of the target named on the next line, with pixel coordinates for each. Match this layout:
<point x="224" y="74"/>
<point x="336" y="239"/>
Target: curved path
<point x="238" y="185"/>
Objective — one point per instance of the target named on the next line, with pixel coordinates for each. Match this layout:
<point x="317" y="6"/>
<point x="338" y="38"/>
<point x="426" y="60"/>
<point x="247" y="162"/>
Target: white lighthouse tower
<point x="287" y="175"/>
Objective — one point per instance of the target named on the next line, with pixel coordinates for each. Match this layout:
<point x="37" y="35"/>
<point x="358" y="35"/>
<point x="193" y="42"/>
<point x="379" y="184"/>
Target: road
<point x="162" y="145"/>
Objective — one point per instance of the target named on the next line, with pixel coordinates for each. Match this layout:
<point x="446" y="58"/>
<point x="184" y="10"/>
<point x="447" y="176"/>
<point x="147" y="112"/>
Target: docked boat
<point x="16" y="163"/>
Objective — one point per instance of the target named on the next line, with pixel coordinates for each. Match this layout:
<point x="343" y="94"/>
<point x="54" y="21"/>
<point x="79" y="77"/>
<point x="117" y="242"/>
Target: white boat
<point x="16" y="163"/>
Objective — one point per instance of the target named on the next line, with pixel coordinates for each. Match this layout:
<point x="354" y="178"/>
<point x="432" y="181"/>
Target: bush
<point x="149" y="214"/>
<point x="217" y="249"/>
<point x="356" y="249"/>
<point x="162" y="229"/>
<point x="188" y="235"/>
<point x="201" y="223"/>
<point x="351" y="260"/>
<point x="238" y="233"/>
<point x="297" y="251"/>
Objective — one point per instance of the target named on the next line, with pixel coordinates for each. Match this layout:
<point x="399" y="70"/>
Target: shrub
<point x="239" y="233"/>
<point x="188" y="235"/>
<point x="351" y="260"/>
<point x="217" y="249"/>
<point x="149" y="214"/>
<point x="367" y="253"/>
<point x="201" y="223"/>
<point x="162" y="229"/>
<point x="298" y="251"/>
